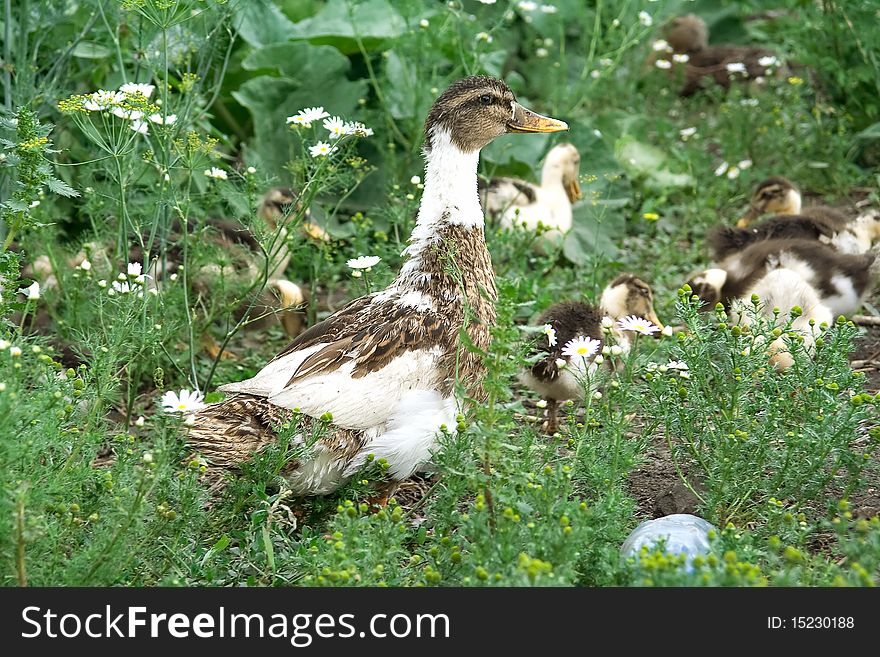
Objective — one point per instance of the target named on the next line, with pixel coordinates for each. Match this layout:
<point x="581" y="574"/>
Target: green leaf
<point x="299" y="61"/>
<point x="402" y="93"/>
<point x="373" y="21"/>
<point x="260" y="22"/>
<point x="641" y="160"/>
<point x="61" y="188"/>
<point x="90" y="50"/>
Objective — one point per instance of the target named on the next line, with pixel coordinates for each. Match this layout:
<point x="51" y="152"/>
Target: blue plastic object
<point x="684" y="534"/>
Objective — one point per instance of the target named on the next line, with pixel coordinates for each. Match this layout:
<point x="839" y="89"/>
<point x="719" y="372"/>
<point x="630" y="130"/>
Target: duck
<point x="856" y="236"/>
<point x="379" y="377"/>
<point x="842" y="281"/>
<point x="557" y="377"/>
<point x="688" y="36"/>
<point x="777" y="195"/>
<point x="515" y="202"/>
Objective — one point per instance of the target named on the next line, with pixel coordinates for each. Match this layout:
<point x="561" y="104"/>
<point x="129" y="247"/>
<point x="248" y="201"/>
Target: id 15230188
<point x="811" y="623"/>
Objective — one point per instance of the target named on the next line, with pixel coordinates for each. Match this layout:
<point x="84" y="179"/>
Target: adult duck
<point x="379" y="376"/>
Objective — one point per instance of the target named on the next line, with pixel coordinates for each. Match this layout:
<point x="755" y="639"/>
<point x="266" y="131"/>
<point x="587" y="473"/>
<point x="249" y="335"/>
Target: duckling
<point x="689" y="35"/>
<point x="379" y="377"/>
<point x="842" y="280"/>
<point x="778" y="195"/>
<point x="516" y="202"/>
<point x="625" y="295"/>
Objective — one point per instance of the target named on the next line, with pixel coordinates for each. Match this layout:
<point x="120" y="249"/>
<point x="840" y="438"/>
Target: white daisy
<point x="527" y="5"/>
<point x="661" y="45"/>
<point x="320" y="149"/>
<point x="768" y="61"/>
<point x="550" y="332"/>
<point x="216" y="173"/>
<point x="744" y="164"/>
<point x="733" y="173"/>
<point x="33" y="292"/>
<point x="335" y="126"/>
<point x="85" y="265"/>
<point x="312" y="114"/>
<point x="134" y="269"/>
<point x="582" y="347"/>
<point x="736" y="67"/>
<point x="364" y="262"/>
<point x="637" y="325"/>
<point x="484" y="36"/>
<point x="135" y="87"/>
<point x="488" y="2"/>
<point x="686" y="133"/>
<point x="541" y="403"/>
<point x="298" y="120"/>
<point x="15" y="352"/>
<point x="126" y="113"/>
<point x="677" y="365"/>
<point x="721" y="169"/>
<point x="549" y="9"/>
<point x="121" y="288"/>
<point x="183" y="402"/>
<point x="680" y="58"/>
<point x="663" y="63"/>
<point x="645" y="19"/>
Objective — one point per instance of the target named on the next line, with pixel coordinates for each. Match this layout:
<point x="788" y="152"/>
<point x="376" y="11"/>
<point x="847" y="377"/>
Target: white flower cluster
<point x="112" y="102"/>
<point x="678" y="367"/>
<point x="334" y="125"/>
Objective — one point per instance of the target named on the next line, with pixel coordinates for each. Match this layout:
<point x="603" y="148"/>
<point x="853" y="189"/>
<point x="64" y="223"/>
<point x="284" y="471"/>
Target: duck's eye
<point x="486" y="99"/>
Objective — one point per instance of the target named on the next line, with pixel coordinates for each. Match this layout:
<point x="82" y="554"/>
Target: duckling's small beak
<point x="315" y="232"/>
<point x="747" y="218"/>
<point x="525" y="120"/>
<point x="652" y="317"/>
<point x="573" y="190"/>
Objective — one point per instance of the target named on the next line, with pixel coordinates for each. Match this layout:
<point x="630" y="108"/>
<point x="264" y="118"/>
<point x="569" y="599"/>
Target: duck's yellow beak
<point x="573" y="190"/>
<point x="525" y="120"/>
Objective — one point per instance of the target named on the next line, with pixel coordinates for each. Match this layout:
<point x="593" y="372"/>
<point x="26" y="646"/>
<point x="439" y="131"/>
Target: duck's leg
<point x="552" y="416"/>
<point x="385" y="493"/>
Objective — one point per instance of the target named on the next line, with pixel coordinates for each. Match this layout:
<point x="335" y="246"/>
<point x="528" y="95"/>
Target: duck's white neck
<point x="450" y="185"/>
<point x="450" y="198"/>
<point x="551" y="176"/>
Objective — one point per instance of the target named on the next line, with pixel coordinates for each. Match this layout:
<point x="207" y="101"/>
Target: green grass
<point x="777" y="456"/>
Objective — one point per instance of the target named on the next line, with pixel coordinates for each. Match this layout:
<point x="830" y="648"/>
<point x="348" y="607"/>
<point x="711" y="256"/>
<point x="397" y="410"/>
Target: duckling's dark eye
<point x="486" y="99"/>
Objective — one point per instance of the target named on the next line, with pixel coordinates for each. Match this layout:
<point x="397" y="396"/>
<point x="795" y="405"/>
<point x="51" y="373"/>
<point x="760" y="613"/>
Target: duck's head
<point x="708" y="285"/>
<point x="775" y="195"/>
<point x="686" y="34"/>
<point x="563" y="162"/>
<point x="475" y="110"/>
<point x="627" y="295"/>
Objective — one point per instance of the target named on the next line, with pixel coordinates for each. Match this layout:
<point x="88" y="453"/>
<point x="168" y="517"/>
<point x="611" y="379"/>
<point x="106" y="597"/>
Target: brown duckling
<point x="779" y="196"/>
<point x="557" y="376"/>
<point x="689" y="35"/>
<point x="842" y="280"/>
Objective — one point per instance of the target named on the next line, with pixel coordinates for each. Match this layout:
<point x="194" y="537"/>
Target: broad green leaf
<point x="260" y="22"/>
<point x="402" y="93"/>
<point x="340" y="24"/>
<point x="299" y="61"/>
<point x="594" y="233"/>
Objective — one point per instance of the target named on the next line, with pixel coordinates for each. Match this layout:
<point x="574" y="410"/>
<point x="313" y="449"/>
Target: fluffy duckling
<point x="625" y="295"/>
<point x="379" y="377"/>
<point x="856" y="236"/>
<point x="842" y="280"/>
<point x="689" y="35"/>
<point x="512" y="201"/>
<point x="779" y="196"/>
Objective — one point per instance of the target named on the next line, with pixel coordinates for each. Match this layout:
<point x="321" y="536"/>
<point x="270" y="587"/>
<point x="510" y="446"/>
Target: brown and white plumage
<point x="386" y="366"/>
<point x="514" y="202"/>
<point x="625" y="295"/>
<point x="689" y="35"/>
<point x="780" y="197"/>
<point x="841" y="280"/>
